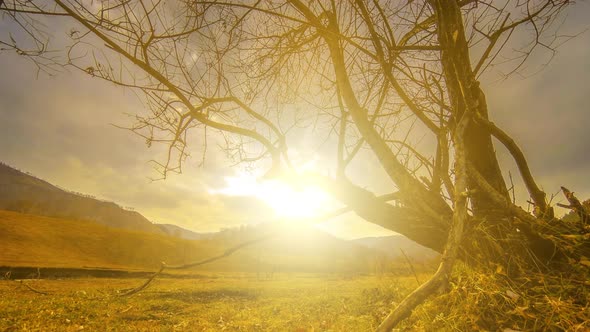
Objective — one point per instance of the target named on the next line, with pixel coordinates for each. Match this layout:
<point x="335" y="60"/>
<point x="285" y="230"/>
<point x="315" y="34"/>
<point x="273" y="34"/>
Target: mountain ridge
<point x="39" y="241"/>
<point x="24" y="193"/>
<point x="394" y="246"/>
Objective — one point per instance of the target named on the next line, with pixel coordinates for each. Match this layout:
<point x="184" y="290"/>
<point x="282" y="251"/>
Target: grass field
<point x="30" y="240"/>
<point x="268" y="298"/>
<point x="38" y="241"/>
<point x="223" y="302"/>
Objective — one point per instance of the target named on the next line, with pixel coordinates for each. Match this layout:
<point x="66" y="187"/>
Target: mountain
<point x="39" y="241"/>
<point x="183" y="233"/>
<point x="50" y="226"/>
<point x="391" y="245"/>
<point x="22" y="192"/>
<point x="292" y="246"/>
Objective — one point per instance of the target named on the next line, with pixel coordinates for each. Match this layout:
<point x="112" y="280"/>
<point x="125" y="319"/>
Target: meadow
<point x="211" y="302"/>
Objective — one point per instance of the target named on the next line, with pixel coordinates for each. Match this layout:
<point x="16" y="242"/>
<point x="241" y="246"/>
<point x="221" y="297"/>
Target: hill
<point x="391" y="245"/>
<point x="183" y="233"/>
<point x="55" y="227"/>
<point x="22" y="192"/>
<point x="300" y="247"/>
<point x="29" y="240"/>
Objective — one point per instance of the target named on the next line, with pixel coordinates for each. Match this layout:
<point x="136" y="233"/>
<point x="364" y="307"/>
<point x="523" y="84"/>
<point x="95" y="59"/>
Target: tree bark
<point x="429" y="232"/>
<point x="465" y="94"/>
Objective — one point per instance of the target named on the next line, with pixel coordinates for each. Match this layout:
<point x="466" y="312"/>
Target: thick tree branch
<point x="538" y="196"/>
<point x="429" y="232"/>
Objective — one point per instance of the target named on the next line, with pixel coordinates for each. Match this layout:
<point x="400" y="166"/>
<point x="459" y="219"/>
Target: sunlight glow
<point x="289" y="201"/>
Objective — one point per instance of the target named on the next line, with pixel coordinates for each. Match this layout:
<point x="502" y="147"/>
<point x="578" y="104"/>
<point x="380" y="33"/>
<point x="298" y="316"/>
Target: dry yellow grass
<point x="218" y="302"/>
<point x="37" y="241"/>
<point x="29" y="240"/>
<point x="251" y="301"/>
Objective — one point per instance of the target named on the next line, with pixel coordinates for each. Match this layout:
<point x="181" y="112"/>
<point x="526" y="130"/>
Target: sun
<point x="289" y="201"/>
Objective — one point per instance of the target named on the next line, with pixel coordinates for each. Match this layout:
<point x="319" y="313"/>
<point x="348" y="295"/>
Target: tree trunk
<point x="465" y="94"/>
<point x="492" y="235"/>
<point x="495" y="234"/>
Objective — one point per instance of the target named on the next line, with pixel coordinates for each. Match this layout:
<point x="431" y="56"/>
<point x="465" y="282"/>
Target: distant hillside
<point x="183" y="233"/>
<point x="25" y="193"/>
<point x="296" y="247"/>
<point x="54" y="227"/>
<point x="29" y="240"/>
<point x="391" y="245"/>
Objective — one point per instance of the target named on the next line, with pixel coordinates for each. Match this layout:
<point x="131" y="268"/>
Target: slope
<point x="22" y="192"/>
<point x="294" y="246"/>
<point x="393" y="245"/>
<point x="29" y="240"/>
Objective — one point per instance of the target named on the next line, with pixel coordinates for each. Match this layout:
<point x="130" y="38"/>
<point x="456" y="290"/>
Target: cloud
<point x="547" y="115"/>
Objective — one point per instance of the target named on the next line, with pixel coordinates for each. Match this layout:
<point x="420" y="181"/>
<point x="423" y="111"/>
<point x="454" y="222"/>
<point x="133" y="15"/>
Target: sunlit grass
<point x="234" y="302"/>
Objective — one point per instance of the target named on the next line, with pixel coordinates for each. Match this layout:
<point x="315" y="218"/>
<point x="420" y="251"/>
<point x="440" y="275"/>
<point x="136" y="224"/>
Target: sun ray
<point x="288" y="201"/>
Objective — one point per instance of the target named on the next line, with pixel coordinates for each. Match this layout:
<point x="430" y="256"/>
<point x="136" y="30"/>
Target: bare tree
<point x="367" y="75"/>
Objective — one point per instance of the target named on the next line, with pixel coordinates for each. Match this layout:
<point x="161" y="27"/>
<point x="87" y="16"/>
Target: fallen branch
<point x="227" y="253"/>
<point x="230" y="251"/>
<point x="33" y="289"/>
<point x="575" y="205"/>
<point x="144" y="285"/>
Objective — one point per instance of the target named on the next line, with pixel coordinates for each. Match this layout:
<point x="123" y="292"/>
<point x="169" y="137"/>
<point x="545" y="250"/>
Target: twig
<point x="228" y="252"/>
<point x="411" y="266"/>
<point x="126" y="309"/>
<point x="575" y="205"/>
<point x="512" y="188"/>
<point x="144" y="285"/>
<point x="33" y="289"/>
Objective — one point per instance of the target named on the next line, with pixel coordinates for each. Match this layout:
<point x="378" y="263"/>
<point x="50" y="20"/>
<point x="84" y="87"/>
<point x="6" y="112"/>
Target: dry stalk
<point x="411" y="266"/>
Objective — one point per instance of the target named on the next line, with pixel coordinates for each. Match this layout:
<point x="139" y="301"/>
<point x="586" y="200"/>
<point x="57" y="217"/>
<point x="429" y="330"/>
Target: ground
<point x="213" y="302"/>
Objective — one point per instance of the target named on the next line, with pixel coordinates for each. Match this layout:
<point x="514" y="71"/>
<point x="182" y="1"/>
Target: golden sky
<point x="59" y="128"/>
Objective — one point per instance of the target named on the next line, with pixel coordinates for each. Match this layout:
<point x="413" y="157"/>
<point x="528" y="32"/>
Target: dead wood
<point x="576" y="206"/>
<point x="34" y="290"/>
<point x="164" y="266"/>
<point x="411" y="266"/>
